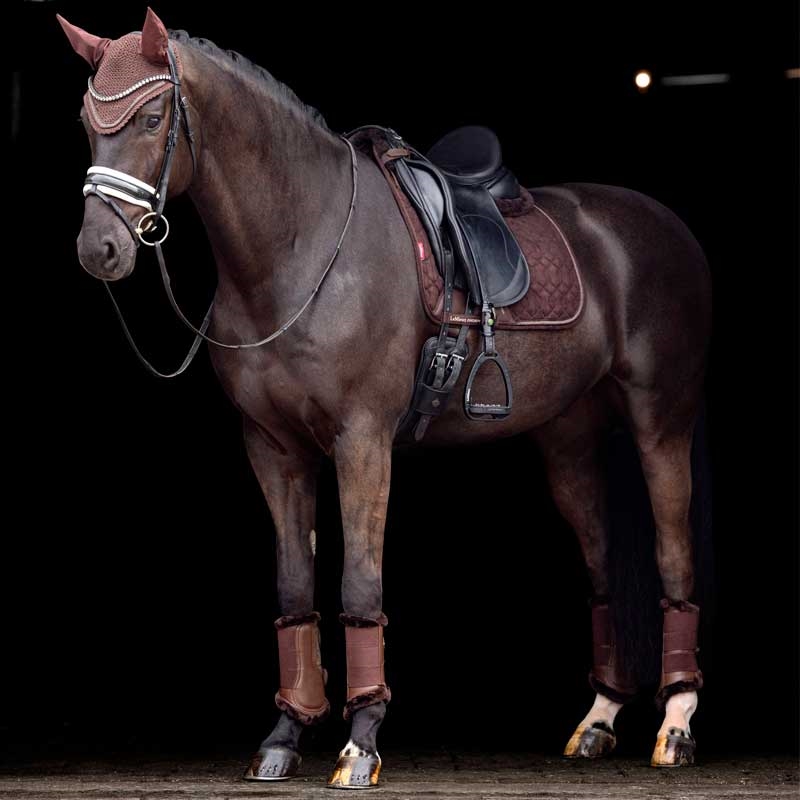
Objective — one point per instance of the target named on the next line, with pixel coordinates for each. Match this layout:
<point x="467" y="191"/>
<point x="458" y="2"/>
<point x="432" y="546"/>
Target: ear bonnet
<point x="130" y="71"/>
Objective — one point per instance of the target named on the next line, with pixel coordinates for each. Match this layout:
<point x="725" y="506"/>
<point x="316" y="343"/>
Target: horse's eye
<point x="152" y="122"/>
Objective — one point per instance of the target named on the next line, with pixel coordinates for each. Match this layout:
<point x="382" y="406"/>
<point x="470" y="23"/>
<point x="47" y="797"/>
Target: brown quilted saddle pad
<point x="555" y="298"/>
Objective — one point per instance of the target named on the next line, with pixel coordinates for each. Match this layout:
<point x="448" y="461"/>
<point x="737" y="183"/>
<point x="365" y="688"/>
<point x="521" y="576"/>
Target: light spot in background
<point x="312" y="537"/>
<point x="643" y="80"/>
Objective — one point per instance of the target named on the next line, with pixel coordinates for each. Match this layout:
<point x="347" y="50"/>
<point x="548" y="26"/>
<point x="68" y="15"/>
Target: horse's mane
<point x="247" y="67"/>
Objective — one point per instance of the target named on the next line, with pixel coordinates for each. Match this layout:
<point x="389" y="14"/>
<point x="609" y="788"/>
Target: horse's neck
<point x="271" y="187"/>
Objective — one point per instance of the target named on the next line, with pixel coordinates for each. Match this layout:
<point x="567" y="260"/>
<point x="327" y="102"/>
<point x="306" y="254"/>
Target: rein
<point x="106" y="183"/>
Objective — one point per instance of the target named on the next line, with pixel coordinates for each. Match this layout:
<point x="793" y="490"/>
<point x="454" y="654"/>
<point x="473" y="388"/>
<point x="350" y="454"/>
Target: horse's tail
<point x="635" y="583"/>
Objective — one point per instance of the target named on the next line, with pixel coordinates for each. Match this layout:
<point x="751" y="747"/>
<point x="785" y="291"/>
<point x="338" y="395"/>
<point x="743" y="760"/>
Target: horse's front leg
<point x="288" y="481"/>
<point x="363" y="466"/>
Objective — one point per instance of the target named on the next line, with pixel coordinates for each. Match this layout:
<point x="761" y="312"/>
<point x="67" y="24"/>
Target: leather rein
<point x="106" y="184"/>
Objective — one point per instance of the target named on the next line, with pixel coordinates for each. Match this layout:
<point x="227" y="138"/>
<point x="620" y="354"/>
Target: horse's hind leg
<point x="288" y="480"/>
<point x="570" y="447"/>
<point x="664" y="438"/>
<point x="363" y="466"/>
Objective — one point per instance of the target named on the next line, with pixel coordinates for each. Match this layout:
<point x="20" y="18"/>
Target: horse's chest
<point x="277" y="394"/>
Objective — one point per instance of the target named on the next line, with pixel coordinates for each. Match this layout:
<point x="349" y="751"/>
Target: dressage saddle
<point x="453" y="190"/>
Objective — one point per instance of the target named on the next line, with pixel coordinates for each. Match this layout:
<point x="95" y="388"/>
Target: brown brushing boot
<point x="680" y="674"/>
<point x="596" y="738"/>
<point x="301" y="695"/>
<point x="359" y="764"/>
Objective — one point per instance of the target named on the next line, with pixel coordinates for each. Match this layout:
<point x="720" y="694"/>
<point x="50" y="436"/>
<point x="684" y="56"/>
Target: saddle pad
<point x="555" y="298"/>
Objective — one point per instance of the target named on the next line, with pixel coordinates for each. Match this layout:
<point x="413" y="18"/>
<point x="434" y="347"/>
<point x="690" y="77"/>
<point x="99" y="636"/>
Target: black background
<point x="138" y="568"/>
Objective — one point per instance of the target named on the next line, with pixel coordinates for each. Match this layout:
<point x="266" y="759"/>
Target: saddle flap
<point x="428" y="200"/>
<point x="504" y="273"/>
<point x="463" y="216"/>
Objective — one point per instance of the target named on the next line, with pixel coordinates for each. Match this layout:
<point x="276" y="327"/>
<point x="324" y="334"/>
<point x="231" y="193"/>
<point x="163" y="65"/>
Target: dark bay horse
<point x="278" y="192"/>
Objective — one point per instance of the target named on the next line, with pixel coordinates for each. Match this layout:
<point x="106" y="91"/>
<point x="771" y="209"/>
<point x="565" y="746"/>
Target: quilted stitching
<point x="555" y="296"/>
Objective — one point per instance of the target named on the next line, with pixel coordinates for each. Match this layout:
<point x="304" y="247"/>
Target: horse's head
<point x="132" y="115"/>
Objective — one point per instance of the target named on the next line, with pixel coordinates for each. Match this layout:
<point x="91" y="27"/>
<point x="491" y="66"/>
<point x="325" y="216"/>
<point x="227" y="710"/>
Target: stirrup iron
<point x="488" y="411"/>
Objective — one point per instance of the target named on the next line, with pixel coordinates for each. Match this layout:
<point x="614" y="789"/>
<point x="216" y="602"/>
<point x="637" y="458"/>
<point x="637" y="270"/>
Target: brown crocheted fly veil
<point x="130" y="71"/>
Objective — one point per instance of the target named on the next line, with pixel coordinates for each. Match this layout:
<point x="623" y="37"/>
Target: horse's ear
<point x="84" y="44"/>
<point x="155" y="40"/>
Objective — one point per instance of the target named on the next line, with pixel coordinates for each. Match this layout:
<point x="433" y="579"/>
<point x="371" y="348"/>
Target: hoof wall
<point x="273" y="764"/>
<point x="355" y="772"/>
<point x="591" y="742"/>
<point x="674" y="749"/>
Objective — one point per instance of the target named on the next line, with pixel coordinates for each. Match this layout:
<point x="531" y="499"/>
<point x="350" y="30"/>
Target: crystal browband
<point x="108" y="98"/>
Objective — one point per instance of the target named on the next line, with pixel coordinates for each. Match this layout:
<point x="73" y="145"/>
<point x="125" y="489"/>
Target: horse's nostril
<point x="111" y="252"/>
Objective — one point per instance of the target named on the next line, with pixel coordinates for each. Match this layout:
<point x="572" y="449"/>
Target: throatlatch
<point x="302" y="691"/>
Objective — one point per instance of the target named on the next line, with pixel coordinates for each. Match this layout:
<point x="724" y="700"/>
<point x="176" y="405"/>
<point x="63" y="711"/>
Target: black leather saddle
<point x="453" y="191"/>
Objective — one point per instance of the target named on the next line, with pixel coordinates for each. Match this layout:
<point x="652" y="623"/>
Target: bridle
<point x="106" y="184"/>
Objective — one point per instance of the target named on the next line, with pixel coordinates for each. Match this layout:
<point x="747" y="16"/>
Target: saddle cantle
<point x="454" y="191"/>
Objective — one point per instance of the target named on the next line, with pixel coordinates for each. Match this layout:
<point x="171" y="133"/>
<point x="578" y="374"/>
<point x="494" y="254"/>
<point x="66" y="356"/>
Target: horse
<point x="310" y="245"/>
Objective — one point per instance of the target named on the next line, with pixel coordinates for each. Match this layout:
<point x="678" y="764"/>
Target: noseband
<point x="106" y="184"/>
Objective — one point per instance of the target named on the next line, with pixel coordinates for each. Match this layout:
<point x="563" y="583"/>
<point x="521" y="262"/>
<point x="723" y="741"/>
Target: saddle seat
<point x="471" y="156"/>
<point x="454" y="189"/>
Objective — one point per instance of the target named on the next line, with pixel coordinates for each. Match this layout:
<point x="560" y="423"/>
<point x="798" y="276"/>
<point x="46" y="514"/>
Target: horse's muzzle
<point x="105" y="247"/>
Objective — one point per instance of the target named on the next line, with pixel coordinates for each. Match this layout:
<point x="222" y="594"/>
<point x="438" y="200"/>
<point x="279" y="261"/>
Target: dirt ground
<point x="439" y="775"/>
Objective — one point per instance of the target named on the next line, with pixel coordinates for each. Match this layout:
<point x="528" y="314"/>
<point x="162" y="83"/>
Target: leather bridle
<point x="106" y="184"/>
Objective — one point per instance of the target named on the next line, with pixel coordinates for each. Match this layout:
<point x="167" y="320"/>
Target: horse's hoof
<point x="591" y="741"/>
<point x="674" y="749"/>
<point x="356" y="772"/>
<point x="273" y="764"/>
